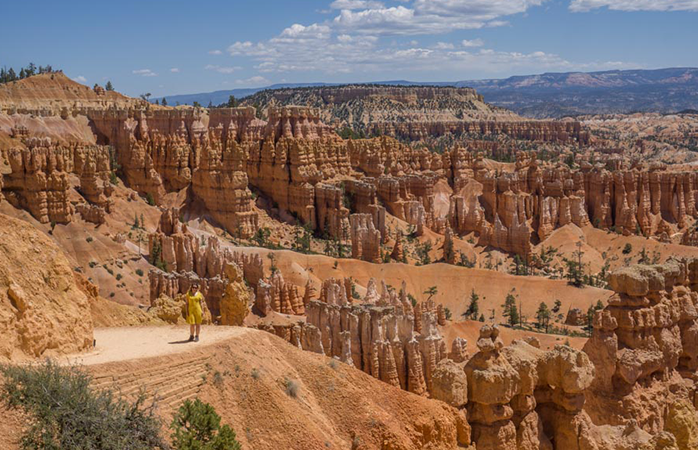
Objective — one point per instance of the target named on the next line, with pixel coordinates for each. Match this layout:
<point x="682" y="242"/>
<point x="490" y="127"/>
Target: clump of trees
<point x="66" y="413"/>
<point x="9" y="75"/>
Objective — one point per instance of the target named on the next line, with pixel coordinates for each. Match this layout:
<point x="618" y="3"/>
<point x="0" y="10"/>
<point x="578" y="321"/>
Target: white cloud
<point x="477" y="8"/>
<point x="472" y="43"/>
<point x="144" y="73"/>
<point x="634" y="5"/>
<point x="355" y="4"/>
<point x="80" y="79"/>
<point x="356" y="42"/>
<point x="444" y="45"/>
<point x="297" y="32"/>
<point x="221" y="69"/>
<point x="431" y="16"/>
<point x="215" y="52"/>
<point x="174" y="70"/>
<point x="304" y="50"/>
<point x="256" y="80"/>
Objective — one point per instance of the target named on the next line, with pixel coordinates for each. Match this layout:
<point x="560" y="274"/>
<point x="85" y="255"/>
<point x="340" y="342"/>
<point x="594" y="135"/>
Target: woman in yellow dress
<point x="195" y="308"/>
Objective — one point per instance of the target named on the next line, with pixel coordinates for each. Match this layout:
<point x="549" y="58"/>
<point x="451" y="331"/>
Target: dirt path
<point x="129" y="343"/>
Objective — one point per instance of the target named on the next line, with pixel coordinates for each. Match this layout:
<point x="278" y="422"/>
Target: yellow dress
<point x="195" y="314"/>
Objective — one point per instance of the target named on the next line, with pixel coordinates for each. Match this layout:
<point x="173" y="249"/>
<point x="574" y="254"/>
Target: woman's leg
<point x="191" y="330"/>
<point x="198" y="329"/>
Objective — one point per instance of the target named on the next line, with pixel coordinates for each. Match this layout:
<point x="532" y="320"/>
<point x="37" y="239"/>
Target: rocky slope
<point x="43" y="311"/>
<point x="54" y="92"/>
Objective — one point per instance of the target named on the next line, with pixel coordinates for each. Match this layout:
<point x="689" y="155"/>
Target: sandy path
<point x="128" y="343"/>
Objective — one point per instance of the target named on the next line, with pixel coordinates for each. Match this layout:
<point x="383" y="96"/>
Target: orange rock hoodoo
<point x="187" y="258"/>
<point x="305" y="168"/>
<point x="644" y="343"/>
<point x="40" y="179"/>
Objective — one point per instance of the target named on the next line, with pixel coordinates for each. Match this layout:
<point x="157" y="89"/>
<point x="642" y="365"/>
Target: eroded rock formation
<point x="378" y="337"/>
<point x="40" y="179"/>
<point x="187" y="258"/>
<point x="644" y="343"/>
<point x="275" y="294"/>
<point x="234" y="305"/>
<point x="513" y="210"/>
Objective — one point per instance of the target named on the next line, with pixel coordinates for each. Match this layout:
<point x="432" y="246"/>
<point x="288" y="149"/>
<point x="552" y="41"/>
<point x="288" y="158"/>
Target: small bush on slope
<point x="67" y="414"/>
<point x="197" y="426"/>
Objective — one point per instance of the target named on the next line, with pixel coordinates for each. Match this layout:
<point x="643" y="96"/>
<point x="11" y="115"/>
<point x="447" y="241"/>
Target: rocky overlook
<point x="378" y="265"/>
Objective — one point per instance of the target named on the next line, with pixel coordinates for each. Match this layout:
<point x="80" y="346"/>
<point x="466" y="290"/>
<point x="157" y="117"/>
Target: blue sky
<point x="177" y="47"/>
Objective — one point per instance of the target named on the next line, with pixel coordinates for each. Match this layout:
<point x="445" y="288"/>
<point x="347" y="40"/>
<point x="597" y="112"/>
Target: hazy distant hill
<point x="549" y="94"/>
<point x="559" y="94"/>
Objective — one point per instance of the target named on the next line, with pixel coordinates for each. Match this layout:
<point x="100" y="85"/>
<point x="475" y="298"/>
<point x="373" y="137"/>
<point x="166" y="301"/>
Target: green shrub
<point x="292" y="388"/>
<point x="197" y="426"/>
<point x="139" y="272"/>
<point x="65" y="413"/>
<point x="627" y="249"/>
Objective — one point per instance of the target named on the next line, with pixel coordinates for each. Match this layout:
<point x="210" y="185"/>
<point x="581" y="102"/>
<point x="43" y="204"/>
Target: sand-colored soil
<point x="130" y="343"/>
<point x="470" y="330"/>
<point x="454" y="283"/>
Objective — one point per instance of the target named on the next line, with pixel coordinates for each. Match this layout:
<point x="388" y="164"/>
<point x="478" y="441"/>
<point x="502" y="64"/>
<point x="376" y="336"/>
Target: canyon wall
<point x="301" y="166"/>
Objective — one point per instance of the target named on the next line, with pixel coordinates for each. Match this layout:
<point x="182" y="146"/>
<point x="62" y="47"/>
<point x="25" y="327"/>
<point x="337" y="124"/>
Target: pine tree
<point x="109" y="86"/>
<point x="156" y="257"/>
<point x="164" y="101"/>
<point x="557" y="306"/>
<point x="431" y="291"/>
<point x="543" y="316"/>
<point x="511" y="312"/>
<point x="473" y="308"/>
<point x="197" y="426"/>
